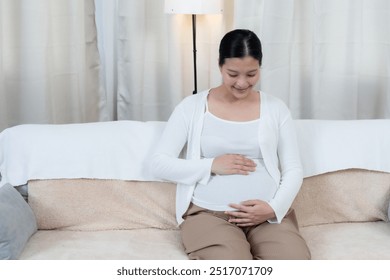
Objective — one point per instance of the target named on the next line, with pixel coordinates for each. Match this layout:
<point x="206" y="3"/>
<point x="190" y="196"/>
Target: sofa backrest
<point x="105" y="150"/>
<point x="332" y="145"/>
<point x="85" y="204"/>
<point x="91" y="162"/>
<point x="121" y="149"/>
<point x="353" y="195"/>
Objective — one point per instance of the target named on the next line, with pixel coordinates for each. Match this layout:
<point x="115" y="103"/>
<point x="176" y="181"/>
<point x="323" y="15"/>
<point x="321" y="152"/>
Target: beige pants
<point x="208" y="235"/>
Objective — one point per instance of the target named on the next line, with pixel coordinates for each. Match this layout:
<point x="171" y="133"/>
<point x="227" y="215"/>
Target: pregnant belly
<point x="225" y="189"/>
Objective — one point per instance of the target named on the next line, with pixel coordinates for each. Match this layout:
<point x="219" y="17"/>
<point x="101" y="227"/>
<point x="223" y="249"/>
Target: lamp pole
<point x="193" y="7"/>
<point x="194" y="51"/>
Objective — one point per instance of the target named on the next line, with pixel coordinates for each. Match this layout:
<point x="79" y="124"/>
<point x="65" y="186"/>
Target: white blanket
<point x="328" y="146"/>
<point x="105" y="150"/>
<point x="120" y="150"/>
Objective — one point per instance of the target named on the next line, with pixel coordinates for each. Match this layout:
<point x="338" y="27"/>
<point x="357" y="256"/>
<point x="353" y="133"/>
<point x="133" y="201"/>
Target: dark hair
<point x="240" y="43"/>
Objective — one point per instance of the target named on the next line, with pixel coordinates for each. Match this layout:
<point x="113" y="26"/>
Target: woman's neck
<point x="230" y="108"/>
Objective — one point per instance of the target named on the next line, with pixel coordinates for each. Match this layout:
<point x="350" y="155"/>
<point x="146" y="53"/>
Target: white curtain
<point x="49" y="63"/>
<point x="325" y="59"/>
<point x="150" y="65"/>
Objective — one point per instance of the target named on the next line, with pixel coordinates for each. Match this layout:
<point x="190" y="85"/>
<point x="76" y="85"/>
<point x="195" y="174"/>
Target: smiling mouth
<point x="241" y="89"/>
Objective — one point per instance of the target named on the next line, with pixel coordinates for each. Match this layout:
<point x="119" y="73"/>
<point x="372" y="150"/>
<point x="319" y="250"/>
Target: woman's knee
<point x="222" y="252"/>
<point x="279" y="241"/>
<point x="209" y="236"/>
<point x="283" y="253"/>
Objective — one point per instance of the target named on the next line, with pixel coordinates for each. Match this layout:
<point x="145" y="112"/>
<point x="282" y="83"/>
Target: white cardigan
<point x="277" y="143"/>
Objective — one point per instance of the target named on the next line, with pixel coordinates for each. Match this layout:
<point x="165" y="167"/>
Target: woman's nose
<point x="241" y="83"/>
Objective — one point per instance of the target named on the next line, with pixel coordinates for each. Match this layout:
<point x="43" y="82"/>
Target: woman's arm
<point x="290" y="168"/>
<point x="166" y="163"/>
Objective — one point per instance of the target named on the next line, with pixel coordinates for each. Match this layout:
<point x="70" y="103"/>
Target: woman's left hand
<point x="250" y="213"/>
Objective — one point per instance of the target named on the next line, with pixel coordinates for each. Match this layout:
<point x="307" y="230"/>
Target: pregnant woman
<point x="241" y="170"/>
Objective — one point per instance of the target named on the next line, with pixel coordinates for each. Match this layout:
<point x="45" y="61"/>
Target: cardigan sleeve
<point x="290" y="168"/>
<point x="166" y="163"/>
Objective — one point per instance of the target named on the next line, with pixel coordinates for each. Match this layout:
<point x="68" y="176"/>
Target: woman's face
<point x="240" y="75"/>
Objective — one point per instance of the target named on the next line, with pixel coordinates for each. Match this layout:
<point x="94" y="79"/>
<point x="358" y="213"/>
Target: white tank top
<point x="220" y="137"/>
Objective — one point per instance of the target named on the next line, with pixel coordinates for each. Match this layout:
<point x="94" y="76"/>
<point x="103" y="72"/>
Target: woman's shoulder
<point x="192" y="100"/>
<point x="274" y="104"/>
<point x="273" y="101"/>
<point x="190" y="106"/>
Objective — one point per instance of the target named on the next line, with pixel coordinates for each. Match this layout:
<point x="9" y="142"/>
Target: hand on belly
<point x="230" y="164"/>
<point x="250" y="213"/>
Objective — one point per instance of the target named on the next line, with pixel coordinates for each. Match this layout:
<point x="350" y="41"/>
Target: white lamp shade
<point x="193" y="6"/>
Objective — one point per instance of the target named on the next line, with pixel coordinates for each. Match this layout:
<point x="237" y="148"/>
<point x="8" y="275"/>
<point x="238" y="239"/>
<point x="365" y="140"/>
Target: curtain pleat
<point x="49" y="70"/>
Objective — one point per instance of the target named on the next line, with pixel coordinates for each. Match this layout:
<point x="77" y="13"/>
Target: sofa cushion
<point x="92" y="204"/>
<point x="138" y="244"/>
<point x="17" y="222"/>
<point x="348" y="241"/>
<point x="353" y="195"/>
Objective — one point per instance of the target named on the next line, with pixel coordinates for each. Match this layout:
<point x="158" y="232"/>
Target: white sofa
<point x="90" y="195"/>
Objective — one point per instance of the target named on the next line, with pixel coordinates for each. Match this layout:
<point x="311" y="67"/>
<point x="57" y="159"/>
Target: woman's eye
<point x="232" y="76"/>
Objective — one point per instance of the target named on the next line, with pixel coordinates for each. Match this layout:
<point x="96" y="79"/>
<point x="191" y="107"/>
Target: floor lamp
<point x="194" y="7"/>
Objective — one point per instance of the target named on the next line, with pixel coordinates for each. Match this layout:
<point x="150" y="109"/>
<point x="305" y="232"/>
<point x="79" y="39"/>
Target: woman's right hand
<point x="230" y="164"/>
